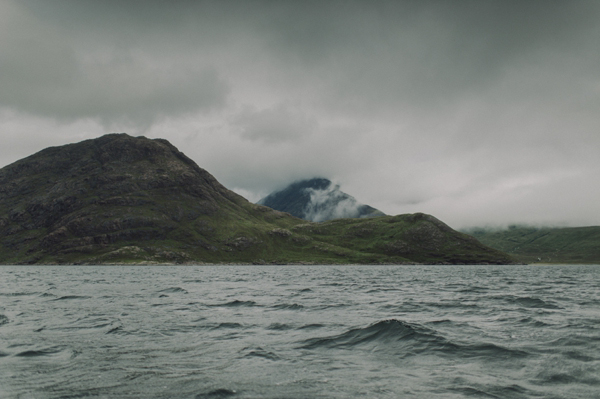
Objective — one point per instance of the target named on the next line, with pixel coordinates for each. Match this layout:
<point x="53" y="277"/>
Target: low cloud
<point x="331" y="203"/>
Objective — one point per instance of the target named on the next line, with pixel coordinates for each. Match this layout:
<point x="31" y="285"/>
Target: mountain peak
<point x="318" y="200"/>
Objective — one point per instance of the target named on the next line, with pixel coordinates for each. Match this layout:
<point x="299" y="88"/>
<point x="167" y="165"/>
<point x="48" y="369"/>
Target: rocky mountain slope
<point x="544" y="244"/>
<point x="318" y="200"/>
<point x="120" y="199"/>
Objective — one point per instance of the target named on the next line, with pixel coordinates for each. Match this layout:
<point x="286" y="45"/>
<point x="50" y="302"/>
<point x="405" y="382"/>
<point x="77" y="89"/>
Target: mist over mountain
<point x="318" y="200"/>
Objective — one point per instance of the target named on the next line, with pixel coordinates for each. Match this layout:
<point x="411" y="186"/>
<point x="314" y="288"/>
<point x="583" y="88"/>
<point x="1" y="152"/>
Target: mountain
<point x="119" y="199"/>
<point x="318" y="200"/>
<point x="547" y="245"/>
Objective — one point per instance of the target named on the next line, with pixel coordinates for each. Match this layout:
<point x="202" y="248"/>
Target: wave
<point x="173" y="290"/>
<point x="382" y="332"/>
<point x="527" y="302"/>
<point x="473" y="290"/>
<point x="452" y="304"/>
<point x="3" y="320"/>
<point x="443" y="322"/>
<point x="403" y="307"/>
<point x="332" y="284"/>
<point x="378" y="290"/>
<point x="69" y="297"/>
<point x="9" y="294"/>
<point x="50" y="351"/>
<point x="260" y="352"/>
<point x="311" y="326"/>
<point x="288" y="306"/>
<point x="512" y="391"/>
<point x="571" y="341"/>
<point x="35" y="353"/>
<point x="406" y="339"/>
<point x="279" y="327"/>
<point x="237" y="303"/>
<point x="116" y="329"/>
<point x="227" y="325"/>
<point x="533" y="322"/>
<point x="491" y="351"/>
<point x="535" y="303"/>
<point x="558" y="372"/>
<point x="332" y="306"/>
<point x="217" y="394"/>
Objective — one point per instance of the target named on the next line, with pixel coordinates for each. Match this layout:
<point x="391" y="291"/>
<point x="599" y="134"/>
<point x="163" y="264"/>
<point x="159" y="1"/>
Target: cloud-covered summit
<point x="318" y="200"/>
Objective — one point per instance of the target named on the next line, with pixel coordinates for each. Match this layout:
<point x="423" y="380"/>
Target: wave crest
<point x="402" y="338"/>
<point x="389" y="331"/>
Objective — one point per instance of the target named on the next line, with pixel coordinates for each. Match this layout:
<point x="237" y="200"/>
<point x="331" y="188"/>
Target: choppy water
<point x="300" y="332"/>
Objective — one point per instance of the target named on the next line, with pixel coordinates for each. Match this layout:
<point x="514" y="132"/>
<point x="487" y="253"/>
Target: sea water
<point x="300" y="332"/>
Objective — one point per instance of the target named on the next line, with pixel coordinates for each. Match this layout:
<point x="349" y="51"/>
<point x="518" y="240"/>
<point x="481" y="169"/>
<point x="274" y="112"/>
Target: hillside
<point x="545" y="245"/>
<point x="120" y="199"/>
<point x="318" y="200"/>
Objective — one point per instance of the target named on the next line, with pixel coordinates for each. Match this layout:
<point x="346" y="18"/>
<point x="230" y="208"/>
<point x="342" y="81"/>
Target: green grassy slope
<point x="546" y="245"/>
<point x="418" y="237"/>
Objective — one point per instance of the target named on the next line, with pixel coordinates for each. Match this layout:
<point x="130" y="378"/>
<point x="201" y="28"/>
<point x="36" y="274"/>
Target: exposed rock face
<point x="121" y="199"/>
<point x="318" y="200"/>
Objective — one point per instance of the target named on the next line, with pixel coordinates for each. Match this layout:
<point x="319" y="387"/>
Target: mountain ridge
<point x="543" y="244"/>
<point x="120" y="199"/>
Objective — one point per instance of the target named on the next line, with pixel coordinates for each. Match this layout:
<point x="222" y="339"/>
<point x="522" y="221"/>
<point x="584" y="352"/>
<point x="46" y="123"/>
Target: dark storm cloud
<point x="377" y="55"/>
<point x="132" y="58"/>
<point x="67" y="67"/>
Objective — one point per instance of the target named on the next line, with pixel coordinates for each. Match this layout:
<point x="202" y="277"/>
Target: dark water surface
<point x="300" y="332"/>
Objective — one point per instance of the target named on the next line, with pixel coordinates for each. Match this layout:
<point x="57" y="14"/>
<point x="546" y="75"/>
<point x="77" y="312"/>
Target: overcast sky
<point x="477" y="112"/>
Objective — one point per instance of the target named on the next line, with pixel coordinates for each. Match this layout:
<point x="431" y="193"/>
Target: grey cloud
<point x="469" y="110"/>
<point x="22" y="135"/>
<point x="382" y="55"/>
<point x="45" y="73"/>
<point x="274" y="125"/>
<point x="120" y="91"/>
<point x="361" y="57"/>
